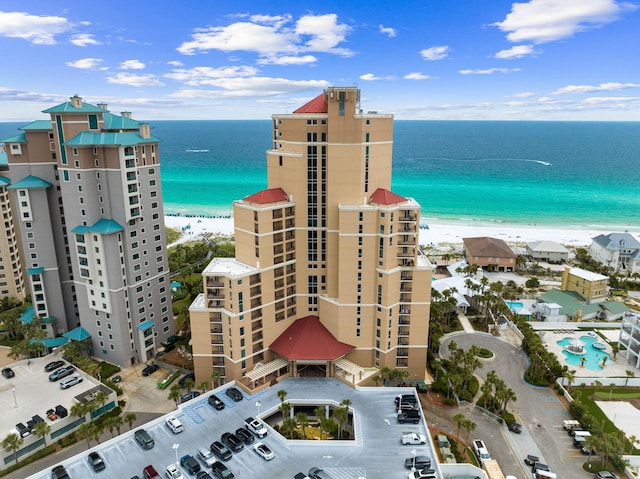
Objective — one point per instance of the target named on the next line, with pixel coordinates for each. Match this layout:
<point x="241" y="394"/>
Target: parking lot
<point x="375" y="453"/>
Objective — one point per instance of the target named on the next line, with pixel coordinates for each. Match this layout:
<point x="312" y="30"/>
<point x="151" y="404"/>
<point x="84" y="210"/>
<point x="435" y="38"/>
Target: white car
<point x="263" y="451"/>
<point x="173" y="472"/>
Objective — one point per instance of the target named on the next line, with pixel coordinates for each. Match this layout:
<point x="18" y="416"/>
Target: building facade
<point x="327" y="256"/>
<point x="87" y="202"/>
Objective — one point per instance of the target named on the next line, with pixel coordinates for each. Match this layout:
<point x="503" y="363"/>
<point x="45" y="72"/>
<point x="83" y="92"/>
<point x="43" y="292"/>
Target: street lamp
<point x="176" y="447"/>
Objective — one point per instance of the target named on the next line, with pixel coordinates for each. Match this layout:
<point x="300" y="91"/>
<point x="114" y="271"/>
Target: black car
<point x="221" y="451"/>
<point x="221" y="471"/>
<point x="191" y="465"/>
<point x="234" y="394"/>
<point x="189" y="396"/>
<point x="96" y="462"/>
<point x="185" y="378"/>
<point x="216" y="402"/>
<point x="244" y="435"/>
<point x="8" y="372"/>
<point x="53" y="365"/>
<point x="59" y="472"/>
<point x="515" y="427"/>
<point x="149" y="370"/>
<point x="232" y="441"/>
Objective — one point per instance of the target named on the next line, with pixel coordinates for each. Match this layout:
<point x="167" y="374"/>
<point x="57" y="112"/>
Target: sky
<point x="418" y="59"/>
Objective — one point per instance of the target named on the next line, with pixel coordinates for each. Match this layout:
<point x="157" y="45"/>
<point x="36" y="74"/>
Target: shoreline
<point x="439" y="232"/>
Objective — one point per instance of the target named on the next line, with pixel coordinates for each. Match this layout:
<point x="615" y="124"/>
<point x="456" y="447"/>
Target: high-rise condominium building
<point x="87" y="202"/>
<point x="328" y="278"/>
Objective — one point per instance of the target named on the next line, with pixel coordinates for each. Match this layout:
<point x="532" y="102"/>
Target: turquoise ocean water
<point x="570" y="174"/>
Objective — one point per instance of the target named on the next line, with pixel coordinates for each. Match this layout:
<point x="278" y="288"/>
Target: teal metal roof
<point x="27" y="315"/>
<point x="77" y="334"/>
<point x="4" y="181"/>
<point x="38" y="125"/>
<point x="39" y="270"/>
<point x="67" y="107"/>
<point x="21" y="138"/>
<point x="104" y="226"/>
<point x="128" y="138"/>
<point x="115" y="122"/>
<point x="51" y="342"/>
<point x="146" y="325"/>
<point x="30" y="182"/>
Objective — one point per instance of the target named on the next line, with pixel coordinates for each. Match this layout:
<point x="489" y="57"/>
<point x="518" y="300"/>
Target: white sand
<point x="438" y="233"/>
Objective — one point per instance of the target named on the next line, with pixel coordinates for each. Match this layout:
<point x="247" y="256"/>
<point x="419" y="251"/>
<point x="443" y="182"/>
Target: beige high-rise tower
<point x="328" y="278"/>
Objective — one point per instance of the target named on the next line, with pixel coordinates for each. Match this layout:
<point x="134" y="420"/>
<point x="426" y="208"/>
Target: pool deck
<point x="610" y="370"/>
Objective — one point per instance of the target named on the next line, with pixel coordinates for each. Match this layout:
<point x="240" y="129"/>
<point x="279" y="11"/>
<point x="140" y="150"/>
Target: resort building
<point x="86" y="195"/>
<point x="489" y="253"/>
<point x="11" y="277"/>
<point x="592" y="287"/>
<point x="549" y="251"/>
<point x="328" y="278"/>
<point x="619" y="251"/>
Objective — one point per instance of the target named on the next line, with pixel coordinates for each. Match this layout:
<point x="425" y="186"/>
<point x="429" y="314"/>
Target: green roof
<point x="104" y="226"/>
<point x="30" y="182"/>
<point x="115" y="122"/>
<point x="67" y="107"/>
<point x="21" y="138"/>
<point x="38" y="125"/>
<point x="128" y="138"/>
<point x="77" y="334"/>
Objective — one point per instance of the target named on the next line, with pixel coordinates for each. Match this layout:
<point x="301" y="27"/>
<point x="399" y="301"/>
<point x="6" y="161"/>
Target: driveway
<point x="537" y="409"/>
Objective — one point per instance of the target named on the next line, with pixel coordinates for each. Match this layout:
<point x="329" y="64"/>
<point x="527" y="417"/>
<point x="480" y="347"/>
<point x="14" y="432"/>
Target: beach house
<point x="620" y="251"/>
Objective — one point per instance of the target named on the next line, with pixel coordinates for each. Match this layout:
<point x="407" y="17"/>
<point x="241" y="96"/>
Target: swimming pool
<point x="592" y="357"/>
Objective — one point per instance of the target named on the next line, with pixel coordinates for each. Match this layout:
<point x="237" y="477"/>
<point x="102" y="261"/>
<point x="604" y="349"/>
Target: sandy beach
<point x="437" y="234"/>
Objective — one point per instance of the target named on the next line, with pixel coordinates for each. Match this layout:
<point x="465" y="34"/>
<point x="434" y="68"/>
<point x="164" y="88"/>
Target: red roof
<point x="386" y="197"/>
<point x="317" y="105"/>
<point x="264" y="197"/>
<point x="307" y="338"/>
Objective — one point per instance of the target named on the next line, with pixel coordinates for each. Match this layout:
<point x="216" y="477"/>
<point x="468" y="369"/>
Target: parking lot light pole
<point x="176" y="447"/>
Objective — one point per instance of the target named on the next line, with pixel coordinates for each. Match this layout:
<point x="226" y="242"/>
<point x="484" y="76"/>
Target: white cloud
<point x="435" y="53"/>
<point x="84" y="39"/>
<point x="288" y="60"/>
<point x="541" y="21"/>
<point x="388" y="31"/>
<point x="518" y="51"/>
<point x="488" y="71"/>
<point x="204" y="75"/>
<point x="272" y="36"/>
<point x="86" y="63"/>
<point x="416" y="76"/>
<point x="253" y="87"/>
<point x="610" y="86"/>
<point x="40" y="30"/>
<point x="134" y="80"/>
<point x="132" y="65"/>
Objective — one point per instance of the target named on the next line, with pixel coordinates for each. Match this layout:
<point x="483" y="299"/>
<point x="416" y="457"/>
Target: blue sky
<point x="455" y="59"/>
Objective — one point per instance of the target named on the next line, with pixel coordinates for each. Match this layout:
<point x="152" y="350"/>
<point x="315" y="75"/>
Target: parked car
<point x="206" y="456"/>
<point x="221" y="451"/>
<point x="189" y="396"/>
<point x="59" y="472"/>
<point x="190" y="464"/>
<point x="263" y="451"/>
<point x="232" y="441"/>
<point x="234" y="393"/>
<point x="150" y="369"/>
<point x="515" y="427"/>
<point x="185" y="378"/>
<point x="221" y="471"/>
<point x="8" y="373"/>
<point x="244" y="435"/>
<point x="61" y="373"/>
<point x="173" y="472"/>
<point x="96" y="462"/>
<point x="53" y="365"/>
<point x="216" y="402"/>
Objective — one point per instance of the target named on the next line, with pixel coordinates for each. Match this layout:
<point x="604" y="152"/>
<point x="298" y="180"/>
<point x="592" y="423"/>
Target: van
<point x="70" y="381"/>
<point x="150" y="472"/>
<point x="144" y="439"/>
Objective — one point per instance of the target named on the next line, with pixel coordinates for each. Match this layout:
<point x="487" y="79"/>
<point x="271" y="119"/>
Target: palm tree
<point x="130" y="418"/>
<point x="42" y="429"/>
<point x="174" y="394"/>
<point x="459" y="419"/>
<point x="13" y="442"/>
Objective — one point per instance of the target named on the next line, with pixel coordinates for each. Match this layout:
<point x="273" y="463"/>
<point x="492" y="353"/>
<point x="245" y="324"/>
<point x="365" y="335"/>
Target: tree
<point x="130" y="418"/>
<point x="42" y="429"/>
<point x="174" y="394"/>
<point x="13" y="442"/>
<point x="459" y="419"/>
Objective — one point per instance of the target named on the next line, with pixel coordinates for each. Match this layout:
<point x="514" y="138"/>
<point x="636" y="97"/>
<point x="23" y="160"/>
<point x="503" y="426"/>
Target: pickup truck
<point x="413" y="438"/>
<point x="481" y="450"/>
<point x="255" y="427"/>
